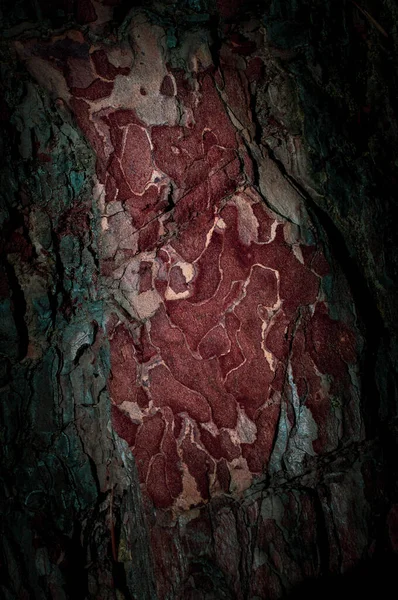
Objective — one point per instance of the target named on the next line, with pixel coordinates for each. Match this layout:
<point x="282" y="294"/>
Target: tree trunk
<point x="198" y="339"/>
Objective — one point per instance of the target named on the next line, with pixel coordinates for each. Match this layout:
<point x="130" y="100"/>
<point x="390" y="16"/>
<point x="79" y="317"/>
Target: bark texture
<point x="198" y="339"/>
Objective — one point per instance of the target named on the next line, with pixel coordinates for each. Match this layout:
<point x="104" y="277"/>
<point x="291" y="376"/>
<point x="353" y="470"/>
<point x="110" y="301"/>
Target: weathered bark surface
<point x="300" y="107"/>
<point x="68" y="481"/>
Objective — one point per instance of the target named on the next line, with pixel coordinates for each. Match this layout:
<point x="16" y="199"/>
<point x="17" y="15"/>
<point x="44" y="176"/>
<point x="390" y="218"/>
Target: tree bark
<point x="78" y="522"/>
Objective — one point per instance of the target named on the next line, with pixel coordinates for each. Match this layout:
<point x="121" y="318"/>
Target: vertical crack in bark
<point x="323" y="543"/>
<point x="214" y="24"/>
<point x="59" y="297"/>
<point x="19" y="310"/>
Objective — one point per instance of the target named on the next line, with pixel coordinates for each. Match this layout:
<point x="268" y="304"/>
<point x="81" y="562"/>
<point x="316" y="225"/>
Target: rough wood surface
<point x="197" y="299"/>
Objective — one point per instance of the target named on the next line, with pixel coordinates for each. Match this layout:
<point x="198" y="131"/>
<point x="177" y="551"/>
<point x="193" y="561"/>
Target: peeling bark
<point x="162" y="179"/>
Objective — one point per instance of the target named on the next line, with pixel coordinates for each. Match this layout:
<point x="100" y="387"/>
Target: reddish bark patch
<point x="122" y="388"/>
<point x="197" y="375"/>
<point x="173" y="162"/>
<point x="190" y="206"/>
<point x="106" y="69"/>
<point x="167" y="87"/>
<point x="258" y="454"/>
<point x="149" y="236"/>
<point x="223" y="475"/>
<point x="114" y="169"/>
<point x="144" y="349"/>
<point x="124" y="117"/>
<point x="196" y="173"/>
<point x="167" y="391"/>
<point x="209" y="140"/>
<point x="264" y="223"/>
<point x="178" y="425"/>
<point x="251" y="302"/>
<point x="78" y="72"/>
<point x="136" y="160"/>
<point x="145" y="276"/>
<point x="117" y="137"/>
<point x="320" y="265"/>
<point x="250" y="391"/>
<point x="278" y="336"/>
<point x="157" y="483"/>
<point x="199" y="466"/>
<point x="184" y="87"/>
<point x="96" y="90"/>
<point x="123" y="425"/>
<point x="215" y="343"/>
<point x="193" y="320"/>
<point x="211" y="114"/>
<point x="298" y="285"/>
<point x="220" y="445"/>
<point x="330" y="343"/>
<point x="209" y="275"/>
<point x="148" y="440"/>
<point x="173" y="470"/>
<point x="177" y="281"/>
<point x="221" y="186"/>
<point x="234" y="358"/>
<point x="190" y="242"/>
<point x="143" y="208"/>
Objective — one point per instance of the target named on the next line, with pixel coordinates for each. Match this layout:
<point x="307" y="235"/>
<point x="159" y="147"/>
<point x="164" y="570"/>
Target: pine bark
<point x="74" y="523"/>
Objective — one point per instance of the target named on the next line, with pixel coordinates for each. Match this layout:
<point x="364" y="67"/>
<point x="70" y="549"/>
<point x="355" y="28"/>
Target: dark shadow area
<point x="374" y="578"/>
